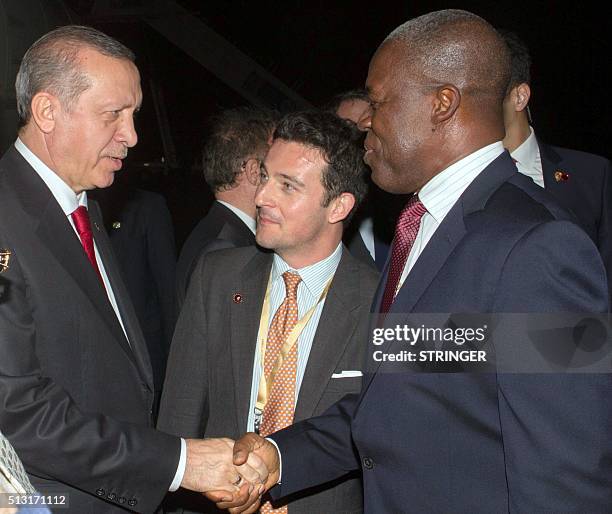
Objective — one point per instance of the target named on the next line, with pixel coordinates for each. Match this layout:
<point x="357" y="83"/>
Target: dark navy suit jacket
<point x="584" y="186"/>
<point x="477" y="442"/>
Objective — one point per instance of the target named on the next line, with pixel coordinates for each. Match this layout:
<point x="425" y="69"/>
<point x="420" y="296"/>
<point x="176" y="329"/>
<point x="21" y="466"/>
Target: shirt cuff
<point x="180" y="469"/>
<point x="280" y="460"/>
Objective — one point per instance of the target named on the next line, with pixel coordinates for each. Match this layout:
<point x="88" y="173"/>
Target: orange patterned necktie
<point x="278" y="411"/>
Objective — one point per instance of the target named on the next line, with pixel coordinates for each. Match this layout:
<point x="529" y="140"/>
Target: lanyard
<point x="267" y="381"/>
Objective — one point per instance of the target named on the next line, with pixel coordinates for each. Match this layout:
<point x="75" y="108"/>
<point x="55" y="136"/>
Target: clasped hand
<point x="235" y="475"/>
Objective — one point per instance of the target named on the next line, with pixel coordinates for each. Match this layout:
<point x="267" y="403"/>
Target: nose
<point x="365" y="122"/>
<point x="126" y="133"/>
<point x="263" y="198"/>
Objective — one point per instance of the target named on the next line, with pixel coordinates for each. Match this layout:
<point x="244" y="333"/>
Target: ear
<point x="252" y="171"/>
<point x="446" y="102"/>
<point x="341" y="207"/>
<point x="522" y="94"/>
<point x="45" y="109"/>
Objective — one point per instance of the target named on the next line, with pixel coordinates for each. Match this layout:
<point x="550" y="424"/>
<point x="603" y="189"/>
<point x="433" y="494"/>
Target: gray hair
<point x="457" y="47"/>
<point x="51" y="64"/>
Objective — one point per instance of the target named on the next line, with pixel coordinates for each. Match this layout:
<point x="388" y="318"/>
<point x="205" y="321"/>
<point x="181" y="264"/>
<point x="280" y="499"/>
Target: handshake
<point x="234" y="475"/>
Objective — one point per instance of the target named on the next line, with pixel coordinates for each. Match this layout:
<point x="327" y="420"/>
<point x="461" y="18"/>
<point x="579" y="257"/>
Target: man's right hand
<point x="245" y="449"/>
<point x="209" y="468"/>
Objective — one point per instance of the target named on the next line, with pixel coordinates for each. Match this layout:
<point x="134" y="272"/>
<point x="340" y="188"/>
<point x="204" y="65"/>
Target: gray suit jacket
<point x="208" y="382"/>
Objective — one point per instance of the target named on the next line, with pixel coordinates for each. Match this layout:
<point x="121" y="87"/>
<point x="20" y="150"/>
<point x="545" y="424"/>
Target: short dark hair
<point x="236" y="135"/>
<point x="457" y="47"/>
<point x="354" y="94"/>
<point x="52" y="64"/>
<point x="520" y="60"/>
<point x="340" y="144"/>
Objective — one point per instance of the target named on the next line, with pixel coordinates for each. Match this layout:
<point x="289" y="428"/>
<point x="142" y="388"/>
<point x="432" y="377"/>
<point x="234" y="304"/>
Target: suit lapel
<point x="244" y="325"/>
<point x="53" y="228"/>
<point x="136" y="348"/>
<point x="334" y="331"/>
<point x="446" y="238"/>
<point x="550" y="162"/>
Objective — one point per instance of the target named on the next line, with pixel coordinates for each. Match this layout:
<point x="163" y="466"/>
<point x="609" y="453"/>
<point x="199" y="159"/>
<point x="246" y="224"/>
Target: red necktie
<point x="405" y="233"/>
<point x="83" y="226"/>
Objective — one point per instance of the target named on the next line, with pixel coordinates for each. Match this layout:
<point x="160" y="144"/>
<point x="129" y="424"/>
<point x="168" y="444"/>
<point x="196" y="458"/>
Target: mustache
<point x="119" y="154"/>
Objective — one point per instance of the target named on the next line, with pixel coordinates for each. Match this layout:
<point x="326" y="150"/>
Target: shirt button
<point x="100" y="492"/>
<point x="368" y="463"/>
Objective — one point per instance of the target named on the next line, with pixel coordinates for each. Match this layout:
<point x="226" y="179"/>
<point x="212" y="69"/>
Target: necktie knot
<point x="406" y="231"/>
<point x="81" y="220"/>
<point x="292" y="280"/>
<point x="412" y="212"/>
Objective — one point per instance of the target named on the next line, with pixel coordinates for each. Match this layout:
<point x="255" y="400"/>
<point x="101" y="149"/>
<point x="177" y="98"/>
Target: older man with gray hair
<point x="75" y="378"/>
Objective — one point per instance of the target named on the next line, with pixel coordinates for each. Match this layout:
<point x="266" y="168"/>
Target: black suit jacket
<point x="140" y="229"/>
<point x="219" y="229"/>
<point x="585" y="190"/>
<point x="208" y="385"/>
<point x="76" y="396"/>
<point x="477" y="442"/>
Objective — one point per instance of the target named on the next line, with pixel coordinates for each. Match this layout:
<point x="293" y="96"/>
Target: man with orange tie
<point x="268" y="338"/>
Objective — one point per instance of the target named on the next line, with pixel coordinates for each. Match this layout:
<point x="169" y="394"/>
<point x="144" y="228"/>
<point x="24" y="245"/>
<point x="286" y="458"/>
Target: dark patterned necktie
<point x="406" y="230"/>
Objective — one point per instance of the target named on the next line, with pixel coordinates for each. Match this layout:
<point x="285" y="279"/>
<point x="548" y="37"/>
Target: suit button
<point x="368" y="463"/>
<point x="100" y="492"/>
<point x="132" y="502"/>
<point x="111" y="496"/>
<point x="121" y="500"/>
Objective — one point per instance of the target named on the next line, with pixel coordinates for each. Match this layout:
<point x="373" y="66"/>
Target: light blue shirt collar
<point x="315" y="276"/>
<point x="66" y="197"/>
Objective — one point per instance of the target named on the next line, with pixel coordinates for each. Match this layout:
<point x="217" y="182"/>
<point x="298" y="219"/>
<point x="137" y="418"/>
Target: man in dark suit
<point x="140" y="230"/>
<point x="76" y="386"/>
<point x="581" y="182"/>
<point x="236" y="146"/>
<point x="476" y="238"/>
<point x="312" y="178"/>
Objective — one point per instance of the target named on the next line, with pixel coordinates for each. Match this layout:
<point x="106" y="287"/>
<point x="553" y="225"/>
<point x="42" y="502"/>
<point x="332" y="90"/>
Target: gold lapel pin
<point x="5" y="257"/>
<point x="116" y="224"/>
<point x="561" y="176"/>
<point x="238" y="298"/>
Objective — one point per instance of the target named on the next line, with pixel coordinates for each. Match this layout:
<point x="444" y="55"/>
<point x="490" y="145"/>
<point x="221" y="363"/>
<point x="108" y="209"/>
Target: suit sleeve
<point x="317" y="450"/>
<point x="58" y="440"/>
<point x="555" y="425"/>
<point x="184" y="402"/>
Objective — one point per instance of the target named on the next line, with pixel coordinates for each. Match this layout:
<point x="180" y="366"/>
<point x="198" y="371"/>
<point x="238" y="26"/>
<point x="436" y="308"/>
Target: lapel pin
<point x="5" y="257"/>
<point x="238" y="298"/>
<point x="116" y="224"/>
<point x="561" y="176"/>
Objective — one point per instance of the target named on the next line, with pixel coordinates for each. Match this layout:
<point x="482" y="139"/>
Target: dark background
<point x="321" y="48"/>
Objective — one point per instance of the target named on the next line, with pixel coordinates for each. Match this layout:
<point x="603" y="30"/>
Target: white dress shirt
<point x="528" y="159"/>
<point x="69" y="201"/>
<point x="314" y="279"/>
<point x="442" y="192"/>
